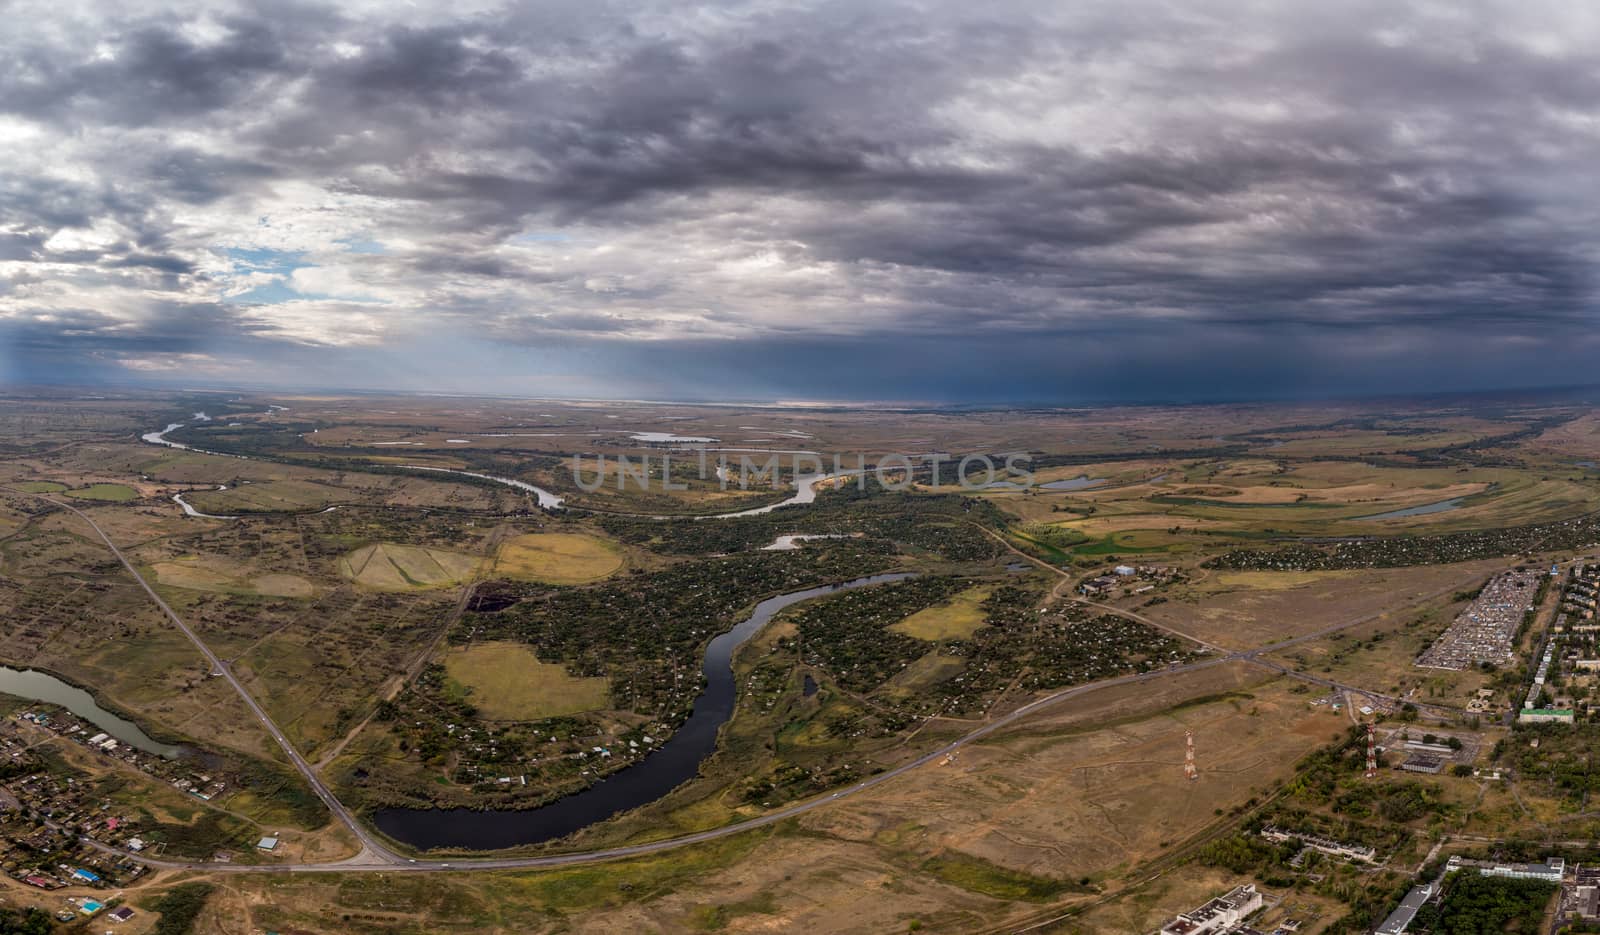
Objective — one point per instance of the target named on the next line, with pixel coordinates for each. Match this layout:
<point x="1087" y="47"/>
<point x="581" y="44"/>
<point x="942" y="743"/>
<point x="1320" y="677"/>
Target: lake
<point x="1441" y="506"/>
<point x="42" y="686"/>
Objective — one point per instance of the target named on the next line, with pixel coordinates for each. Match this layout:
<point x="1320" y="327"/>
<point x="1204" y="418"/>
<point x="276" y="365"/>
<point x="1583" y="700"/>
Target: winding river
<point x="189" y="510"/>
<point x="805" y="485"/>
<point x="672" y="764"/>
<point x="547" y="500"/>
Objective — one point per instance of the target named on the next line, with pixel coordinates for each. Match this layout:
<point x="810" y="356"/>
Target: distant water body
<point x="1442" y="506"/>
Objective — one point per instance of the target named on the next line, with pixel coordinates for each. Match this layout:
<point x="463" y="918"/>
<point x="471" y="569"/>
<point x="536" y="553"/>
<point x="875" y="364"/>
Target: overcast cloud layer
<point x="967" y="201"/>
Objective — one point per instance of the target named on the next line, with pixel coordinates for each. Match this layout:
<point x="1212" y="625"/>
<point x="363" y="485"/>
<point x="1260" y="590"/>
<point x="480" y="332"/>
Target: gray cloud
<point x="252" y="184"/>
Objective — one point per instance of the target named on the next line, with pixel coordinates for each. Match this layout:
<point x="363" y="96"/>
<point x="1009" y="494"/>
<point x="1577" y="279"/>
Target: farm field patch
<point x="558" y="558"/>
<point x="956" y="619"/>
<point x="40" y="486"/>
<point x="506" y="682"/>
<point x="1256" y="608"/>
<point x="111" y="493"/>
<point x="201" y="576"/>
<point x="390" y="566"/>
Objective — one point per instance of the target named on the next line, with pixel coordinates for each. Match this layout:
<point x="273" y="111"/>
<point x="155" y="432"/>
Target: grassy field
<point x="956" y="620"/>
<point x="558" y="558"/>
<point x="203" y="576"/>
<point x="40" y="486"/>
<point x="1246" y="609"/>
<point x="952" y="848"/>
<point x="389" y="566"/>
<point x="112" y="493"/>
<point x="506" y="682"/>
<point x="269" y="497"/>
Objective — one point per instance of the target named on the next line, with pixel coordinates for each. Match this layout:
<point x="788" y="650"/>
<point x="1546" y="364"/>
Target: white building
<point x="1551" y="871"/>
<point x="1400" y="919"/>
<point x="1218" y="915"/>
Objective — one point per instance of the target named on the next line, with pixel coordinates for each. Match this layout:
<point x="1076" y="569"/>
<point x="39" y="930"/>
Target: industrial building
<point x="1400" y="919"/>
<point x="1219" y="915"/>
<point x="1321" y="844"/>
<point x="1546" y="716"/>
<point x="1551" y="871"/>
<point x="1429" y="763"/>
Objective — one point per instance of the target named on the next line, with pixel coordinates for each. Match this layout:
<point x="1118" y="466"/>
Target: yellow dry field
<point x="1376" y="494"/>
<point x="1250" y="468"/>
<point x="1579" y="438"/>
<point x="955" y="620"/>
<point x="192" y="576"/>
<point x="1243" y="610"/>
<point x="1085" y="792"/>
<point x="1101" y="525"/>
<point x="506" y="682"/>
<point x="282" y="586"/>
<point x="558" y="558"/>
<point x="196" y="575"/>
<point x="1271" y="580"/>
<point x="389" y="566"/>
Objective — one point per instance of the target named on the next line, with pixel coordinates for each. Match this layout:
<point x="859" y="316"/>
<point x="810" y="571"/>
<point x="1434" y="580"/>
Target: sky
<point x="964" y="202"/>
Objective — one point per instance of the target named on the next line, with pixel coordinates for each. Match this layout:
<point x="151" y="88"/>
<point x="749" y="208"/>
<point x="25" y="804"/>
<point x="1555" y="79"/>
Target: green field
<point x="956" y="620"/>
<point x="115" y="493"/>
<point x="285" y="496"/>
<point x="506" y="682"/>
<point x="41" y="486"/>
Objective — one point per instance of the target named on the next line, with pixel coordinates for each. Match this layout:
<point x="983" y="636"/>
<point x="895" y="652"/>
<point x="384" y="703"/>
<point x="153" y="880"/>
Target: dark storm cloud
<point x="1128" y="181"/>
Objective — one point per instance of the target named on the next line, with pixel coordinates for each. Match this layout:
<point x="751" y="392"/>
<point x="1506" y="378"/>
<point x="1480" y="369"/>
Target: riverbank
<point x="676" y="762"/>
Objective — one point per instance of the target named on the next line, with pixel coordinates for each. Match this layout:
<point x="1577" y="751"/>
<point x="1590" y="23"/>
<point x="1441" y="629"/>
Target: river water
<point x="547" y="499"/>
<point x="805" y="492"/>
<point x="1441" y="506"/>
<point x="41" y="686"/>
<point x="191" y="511"/>
<point x="672" y="764"/>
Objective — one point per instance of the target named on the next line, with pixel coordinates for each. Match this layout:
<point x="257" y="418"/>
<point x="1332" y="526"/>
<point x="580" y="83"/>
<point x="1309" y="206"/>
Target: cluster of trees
<point x="644" y="632"/>
<point x="1401" y="551"/>
<point x="30" y="921"/>
<point x="1565" y="758"/>
<point x="180" y="908"/>
<point x="1367" y="896"/>
<point x="942" y="524"/>
<point x="1474" y="903"/>
<point x="848" y="636"/>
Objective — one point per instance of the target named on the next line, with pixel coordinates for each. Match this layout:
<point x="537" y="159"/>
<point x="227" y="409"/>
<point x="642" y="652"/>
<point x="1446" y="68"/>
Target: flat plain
<point x="438" y="640"/>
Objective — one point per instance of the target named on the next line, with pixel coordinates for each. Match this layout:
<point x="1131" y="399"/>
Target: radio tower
<point x="1372" y="754"/>
<point x="1189" y="771"/>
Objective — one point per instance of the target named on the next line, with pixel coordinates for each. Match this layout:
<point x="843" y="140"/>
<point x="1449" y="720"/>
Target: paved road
<point x="376" y="857"/>
<point x="557" y="860"/>
<point x="1254" y="656"/>
<point x="377" y="851"/>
